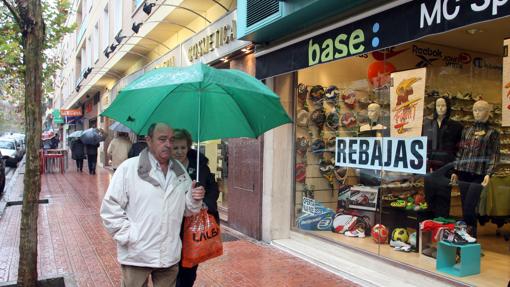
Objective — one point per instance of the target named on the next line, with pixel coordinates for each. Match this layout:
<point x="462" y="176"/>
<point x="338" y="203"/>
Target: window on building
<point x="88" y="50"/>
<point x="83" y="11"/>
<point x="106" y="29"/>
<point x="95" y="43"/>
<point x="89" y="5"/>
<point x="118" y="16"/>
<point x="79" y="66"/>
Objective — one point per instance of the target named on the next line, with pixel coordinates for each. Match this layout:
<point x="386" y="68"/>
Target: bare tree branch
<point x="14" y="13"/>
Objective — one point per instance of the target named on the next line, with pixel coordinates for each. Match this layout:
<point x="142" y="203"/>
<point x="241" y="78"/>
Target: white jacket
<point x="144" y="217"/>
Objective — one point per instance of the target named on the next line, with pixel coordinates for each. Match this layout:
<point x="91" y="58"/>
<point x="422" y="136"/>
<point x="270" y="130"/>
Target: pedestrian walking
<point x="143" y="210"/>
<point x="137" y="147"/>
<point x="188" y="157"/>
<point x="118" y="149"/>
<point x="78" y="153"/>
<point x="91" y="150"/>
<point x="55" y="141"/>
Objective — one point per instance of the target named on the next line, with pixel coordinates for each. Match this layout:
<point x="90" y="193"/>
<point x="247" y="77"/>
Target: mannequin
<point x="373" y="128"/>
<point x="476" y="158"/>
<point x="443" y="135"/>
<point x="371" y="177"/>
<point x="479" y="148"/>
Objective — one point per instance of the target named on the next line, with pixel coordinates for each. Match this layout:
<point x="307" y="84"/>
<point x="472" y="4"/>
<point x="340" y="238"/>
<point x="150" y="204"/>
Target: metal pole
<point x="198" y="133"/>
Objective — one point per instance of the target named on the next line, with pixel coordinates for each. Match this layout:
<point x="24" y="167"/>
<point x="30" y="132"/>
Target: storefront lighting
<point x="147" y="7"/>
<point x="119" y="38"/>
<point x="107" y="52"/>
<point x="113" y="47"/>
<point x="225" y="59"/>
<point x="87" y="72"/>
<point x="136" y="27"/>
<point x="473" y="31"/>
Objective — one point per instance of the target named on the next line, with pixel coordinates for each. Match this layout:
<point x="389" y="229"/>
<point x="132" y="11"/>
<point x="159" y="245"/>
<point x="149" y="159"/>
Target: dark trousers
<point x="186" y="276"/>
<point x="92" y="160"/>
<point x="470" y="190"/>
<point x="79" y="164"/>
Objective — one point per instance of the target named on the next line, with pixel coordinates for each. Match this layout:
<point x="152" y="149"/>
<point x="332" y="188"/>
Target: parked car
<point x="19" y="147"/>
<point x="20" y="138"/>
<point x="10" y="152"/>
<point x="2" y="174"/>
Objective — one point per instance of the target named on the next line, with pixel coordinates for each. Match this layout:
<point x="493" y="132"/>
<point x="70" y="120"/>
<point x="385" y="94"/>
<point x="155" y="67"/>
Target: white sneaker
<point x="400" y="246"/>
<point x="461" y="229"/>
<point x="360" y="233"/>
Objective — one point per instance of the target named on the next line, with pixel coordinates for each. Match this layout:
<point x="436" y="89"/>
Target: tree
<point x="24" y="63"/>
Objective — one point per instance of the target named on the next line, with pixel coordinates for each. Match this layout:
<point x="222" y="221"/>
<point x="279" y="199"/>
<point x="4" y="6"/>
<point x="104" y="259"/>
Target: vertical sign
<point x="506" y="85"/>
<point x="407" y="94"/>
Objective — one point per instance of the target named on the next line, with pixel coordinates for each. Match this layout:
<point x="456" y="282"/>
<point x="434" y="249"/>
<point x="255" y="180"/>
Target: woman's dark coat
<point x="207" y="180"/>
<point x="77" y="150"/>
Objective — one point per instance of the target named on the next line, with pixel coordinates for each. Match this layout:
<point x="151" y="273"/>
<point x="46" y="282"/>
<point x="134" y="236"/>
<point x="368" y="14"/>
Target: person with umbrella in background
<point x="91" y="138"/>
<point x="91" y="150"/>
<point x="118" y="149"/>
<point x="143" y="210"/>
<point x="182" y="152"/>
<point x="78" y="153"/>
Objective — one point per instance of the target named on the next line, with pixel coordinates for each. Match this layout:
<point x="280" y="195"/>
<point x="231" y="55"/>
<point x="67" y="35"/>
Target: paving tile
<point x="72" y="240"/>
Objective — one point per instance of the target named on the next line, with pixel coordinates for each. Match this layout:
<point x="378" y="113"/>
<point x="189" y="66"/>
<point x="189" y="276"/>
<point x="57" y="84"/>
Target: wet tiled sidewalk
<point x="72" y="242"/>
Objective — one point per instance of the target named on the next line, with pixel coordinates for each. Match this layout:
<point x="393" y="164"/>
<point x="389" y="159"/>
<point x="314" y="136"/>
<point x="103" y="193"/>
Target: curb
<point x="66" y="280"/>
<point x="8" y="188"/>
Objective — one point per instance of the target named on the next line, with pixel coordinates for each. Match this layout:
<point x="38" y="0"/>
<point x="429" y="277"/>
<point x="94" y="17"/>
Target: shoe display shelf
<point x="468" y="263"/>
<point x="402" y="218"/>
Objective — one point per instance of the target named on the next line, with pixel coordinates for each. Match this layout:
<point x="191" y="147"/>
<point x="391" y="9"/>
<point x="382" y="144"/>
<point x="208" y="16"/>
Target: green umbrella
<point x="210" y="103"/>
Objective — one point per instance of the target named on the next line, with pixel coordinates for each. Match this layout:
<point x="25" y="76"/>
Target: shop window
<point x="458" y="98"/>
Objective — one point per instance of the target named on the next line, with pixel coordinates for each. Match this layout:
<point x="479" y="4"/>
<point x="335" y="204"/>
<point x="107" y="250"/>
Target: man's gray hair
<point x="152" y="127"/>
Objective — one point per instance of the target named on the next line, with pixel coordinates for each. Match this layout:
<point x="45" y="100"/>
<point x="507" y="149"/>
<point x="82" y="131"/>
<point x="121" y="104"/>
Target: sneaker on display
<point x="453" y="237"/>
<point x="400" y="246"/>
<point x="461" y="230"/>
<point x="355" y="233"/>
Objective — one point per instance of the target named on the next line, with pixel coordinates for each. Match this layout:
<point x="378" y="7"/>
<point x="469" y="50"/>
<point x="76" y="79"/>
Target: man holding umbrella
<point x="143" y="209"/>
<point x="91" y="138"/>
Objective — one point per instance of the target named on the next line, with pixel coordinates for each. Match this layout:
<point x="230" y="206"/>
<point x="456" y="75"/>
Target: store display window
<point x="401" y="151"/>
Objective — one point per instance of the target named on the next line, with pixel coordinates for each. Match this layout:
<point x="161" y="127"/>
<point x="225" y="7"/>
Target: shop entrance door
<point x="245" y="186"/>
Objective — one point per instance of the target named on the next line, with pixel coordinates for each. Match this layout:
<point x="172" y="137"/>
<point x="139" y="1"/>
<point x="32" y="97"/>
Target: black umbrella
<point x="92" y="136"/>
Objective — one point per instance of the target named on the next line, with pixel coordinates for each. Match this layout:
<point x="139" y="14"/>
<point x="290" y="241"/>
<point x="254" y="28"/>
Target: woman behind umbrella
<point x="78" y="153"/>
<point x="188" y="157"/>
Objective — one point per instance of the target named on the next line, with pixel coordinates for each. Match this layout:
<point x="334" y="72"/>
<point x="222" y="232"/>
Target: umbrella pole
<point x="198" y="137"/>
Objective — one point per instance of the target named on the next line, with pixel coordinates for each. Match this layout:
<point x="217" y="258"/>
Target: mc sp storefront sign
<point x="403" y="23"/>
<point x="390" y="153"/>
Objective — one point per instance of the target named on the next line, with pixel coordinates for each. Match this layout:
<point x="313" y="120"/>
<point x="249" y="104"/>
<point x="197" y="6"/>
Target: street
<point x="73" y="243"/>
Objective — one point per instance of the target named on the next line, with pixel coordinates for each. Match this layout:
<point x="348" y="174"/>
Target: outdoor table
<point x="52" y="160"/>
<point x="63" y="152"/>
